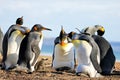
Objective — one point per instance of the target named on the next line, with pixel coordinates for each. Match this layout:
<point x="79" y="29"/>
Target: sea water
<point x="116" y="49"/>
<point x="48" y="46"/>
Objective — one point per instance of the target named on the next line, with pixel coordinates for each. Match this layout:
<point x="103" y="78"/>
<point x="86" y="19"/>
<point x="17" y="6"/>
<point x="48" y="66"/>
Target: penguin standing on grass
<point x="63" y="54"/>
<point x="11" y="44"/>
<point x="30" y="49"/>
<point x="107" y="57"/>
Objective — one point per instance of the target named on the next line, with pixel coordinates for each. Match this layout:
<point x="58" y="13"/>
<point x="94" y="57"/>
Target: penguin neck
<point x="18" y="25"/>
<point x="64" y="43"/>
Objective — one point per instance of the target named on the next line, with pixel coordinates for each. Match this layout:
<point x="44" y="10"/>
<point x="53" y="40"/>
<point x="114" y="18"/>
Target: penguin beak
<point x="22" y="17"/>
<point x="101" y="31"/>
<point x="46" y="29"/>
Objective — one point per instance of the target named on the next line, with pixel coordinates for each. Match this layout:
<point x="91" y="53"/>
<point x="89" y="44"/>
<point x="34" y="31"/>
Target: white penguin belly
<point x="13" y="48"/>
<point x="83" y="52"/>
<point x="85" y="65"/>
<point x="64" y="56"/>
<point x="41" y="42"/>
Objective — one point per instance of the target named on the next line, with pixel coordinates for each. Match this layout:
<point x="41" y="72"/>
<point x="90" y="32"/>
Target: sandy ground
<point x="45" y="72"/>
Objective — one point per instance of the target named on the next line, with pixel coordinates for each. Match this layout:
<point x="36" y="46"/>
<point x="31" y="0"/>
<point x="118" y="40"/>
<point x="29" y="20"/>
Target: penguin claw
<point x="77" y="74"/>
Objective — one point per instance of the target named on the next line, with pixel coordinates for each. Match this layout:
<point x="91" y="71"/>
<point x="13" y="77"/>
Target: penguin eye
<point x="35" y="28"/>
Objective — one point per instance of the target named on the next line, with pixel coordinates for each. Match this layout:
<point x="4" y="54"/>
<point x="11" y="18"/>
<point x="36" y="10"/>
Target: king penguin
<point x="63" y="54"/>
<point x="87" y="53"/>
<point x="18" y="24"/>
<point x="15" y="35"/>
<point x="107" y="57"/>
<point x="30" y="49"/>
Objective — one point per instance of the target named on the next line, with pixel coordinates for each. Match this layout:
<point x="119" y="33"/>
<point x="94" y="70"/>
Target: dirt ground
<point x="45" y="72"/>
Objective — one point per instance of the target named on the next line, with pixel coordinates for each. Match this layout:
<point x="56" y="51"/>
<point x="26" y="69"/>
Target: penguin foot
<point x="63" y="68"/>
<point x="20" y="68"/>
<point x="11" y="68"/>
<point x="98" y="75"/>
<point x="82" y="74"/>
<point x="77" y="74"/>
<point x="3" y="66"/>
<point x="106" y="73"/>
<point x="29" y="72"/>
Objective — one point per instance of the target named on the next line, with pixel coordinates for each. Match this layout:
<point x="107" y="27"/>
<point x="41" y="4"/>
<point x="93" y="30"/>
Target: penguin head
<point x="100" y="30"/>
<point x="92" y="30"/>
<point x="39" y="28"/>
<point x="19" y="21"/>
<point x="63" y="37"/>
<point x="73" y="35"/>
<point x="75" y="38"/>
<point x="70" y="35"/>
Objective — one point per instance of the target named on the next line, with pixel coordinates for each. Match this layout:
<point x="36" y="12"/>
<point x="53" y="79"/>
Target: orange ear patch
<point x="28" y="31"/>
<point x="35" y="28"/>
<point x="102" y="29"/>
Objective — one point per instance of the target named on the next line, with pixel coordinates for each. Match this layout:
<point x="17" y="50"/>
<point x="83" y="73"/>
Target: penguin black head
<point x="100" y="30"/>
<point x="71" y="34"/>
<point x="39" y="28"/>
<point x="63" y="37"/>
<point x="19" y="21"/>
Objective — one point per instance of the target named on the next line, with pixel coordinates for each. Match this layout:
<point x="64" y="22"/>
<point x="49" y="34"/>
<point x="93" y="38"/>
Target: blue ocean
<point x="48" y="46"/>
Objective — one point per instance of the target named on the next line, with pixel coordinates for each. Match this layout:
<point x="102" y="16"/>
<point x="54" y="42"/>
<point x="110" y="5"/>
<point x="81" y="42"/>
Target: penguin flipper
<point x="94" y="60"/>
<point x="53" y="56"/>
<point x="4" y="46"/>
<point x="56" y="41"/>
<point x="36" y="51"/>
<point x="5" y="43"/>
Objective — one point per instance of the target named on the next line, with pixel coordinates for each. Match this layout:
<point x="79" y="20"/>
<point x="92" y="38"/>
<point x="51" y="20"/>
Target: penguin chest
<point x="64" y="53"/>
<point x="64" y="56"/>
<point x="83" y="52"/>
<point x="14" y="42"/>
<point x="13" y="48"/>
